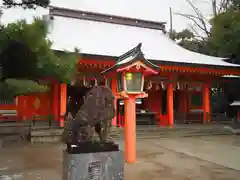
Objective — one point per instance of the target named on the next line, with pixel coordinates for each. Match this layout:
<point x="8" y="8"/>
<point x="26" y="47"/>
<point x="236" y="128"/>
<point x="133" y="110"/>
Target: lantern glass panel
<point x="134" y="82"/>
<point x="119" y="82"/>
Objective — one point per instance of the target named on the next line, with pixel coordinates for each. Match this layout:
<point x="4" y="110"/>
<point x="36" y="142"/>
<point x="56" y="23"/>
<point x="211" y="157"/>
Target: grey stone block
<point x="93" y="166"/>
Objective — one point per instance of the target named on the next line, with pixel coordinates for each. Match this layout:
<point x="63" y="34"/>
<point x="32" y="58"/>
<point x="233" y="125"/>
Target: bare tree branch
<point x="223" y="5"/>
<point x="200" y="18"/>
<point x="202" y="25"/>
<point x="197" y="35"/>
<point x="214" y="8"/>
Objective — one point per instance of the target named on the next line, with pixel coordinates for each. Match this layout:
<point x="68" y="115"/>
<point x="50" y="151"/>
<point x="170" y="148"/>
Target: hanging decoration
<point x="182" y="86"/>
<point x="149" y="85"/>
<point x="178" y="86"/>
<point x="95" y="81"/>
<point x="84" y="81"/>
<point x="163" y="86"/>
<point x="73" y="82"/>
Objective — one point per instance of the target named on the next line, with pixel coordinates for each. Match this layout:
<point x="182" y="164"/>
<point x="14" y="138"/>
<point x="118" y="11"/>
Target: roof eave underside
<point x="159" y="62"/>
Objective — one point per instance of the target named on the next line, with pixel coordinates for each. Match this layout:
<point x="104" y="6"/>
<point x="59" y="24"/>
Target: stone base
<point x="235" y="124"/>
<point x="106" y="165"/>
<point x="92" y="147"/>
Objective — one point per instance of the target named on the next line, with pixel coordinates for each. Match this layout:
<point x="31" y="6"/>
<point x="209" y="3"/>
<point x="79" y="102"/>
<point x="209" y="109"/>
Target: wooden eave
<point x="168" y="66"/>
<point x="201" y="70"/>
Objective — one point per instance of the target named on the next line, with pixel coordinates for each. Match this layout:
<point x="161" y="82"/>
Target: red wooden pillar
<point x="130" y="129"/>
<point x="170" y="107"/>
<point x="55" y="100"/>
<point x="206" y="102"/>
<point x="63" y="103"/>
<point x="114" y="90"/>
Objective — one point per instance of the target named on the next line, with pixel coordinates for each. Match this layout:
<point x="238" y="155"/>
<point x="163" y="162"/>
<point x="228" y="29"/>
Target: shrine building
<point x="153" y="79"/>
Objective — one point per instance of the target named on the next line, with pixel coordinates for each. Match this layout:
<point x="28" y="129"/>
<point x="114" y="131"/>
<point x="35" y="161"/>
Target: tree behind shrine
<point x="26" y="55"/>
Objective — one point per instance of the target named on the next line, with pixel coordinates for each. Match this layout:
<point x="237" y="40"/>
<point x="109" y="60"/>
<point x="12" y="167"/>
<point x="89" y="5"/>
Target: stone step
<point x="43" y="127"/>
<point x="13" y="139"/>
<point x="46" y="139"/>
<point x="189" y="131"/>
<point x="163" y="130"/>
<point x="186" y="132"/>
<point x="54" y="135"/>
<point x="13" y="131"/>
<point x="182" y="134"/>
<point x="165" y="137"/>
<point x="176" y="135"/>
<point x="46" y="132"/>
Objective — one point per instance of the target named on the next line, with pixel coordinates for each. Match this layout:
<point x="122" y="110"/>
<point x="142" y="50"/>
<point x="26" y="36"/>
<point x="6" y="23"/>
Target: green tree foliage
<point x="225" y="34"/>
<point x="15" y="87"/>
<point x="225" y="41"/>
<point x="188" y="40"/>
<point x="25" y="54"/>
<point x="236" y="4"/>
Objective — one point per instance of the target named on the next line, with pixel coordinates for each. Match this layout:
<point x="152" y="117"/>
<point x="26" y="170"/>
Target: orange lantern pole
<point x="130" y="129"/>
<point x="114" y="90"/>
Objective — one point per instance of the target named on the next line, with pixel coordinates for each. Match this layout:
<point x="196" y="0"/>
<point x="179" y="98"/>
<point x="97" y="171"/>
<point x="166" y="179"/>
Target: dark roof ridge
<point x="107" y="18"/>
<point x="134" y="51"/>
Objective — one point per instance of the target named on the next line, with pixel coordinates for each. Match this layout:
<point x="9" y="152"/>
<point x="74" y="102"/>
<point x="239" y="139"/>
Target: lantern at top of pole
<point x="129" y="72"/>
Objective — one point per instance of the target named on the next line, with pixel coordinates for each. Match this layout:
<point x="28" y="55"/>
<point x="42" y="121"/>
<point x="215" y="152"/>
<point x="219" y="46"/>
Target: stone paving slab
<point x="213" y="149"/>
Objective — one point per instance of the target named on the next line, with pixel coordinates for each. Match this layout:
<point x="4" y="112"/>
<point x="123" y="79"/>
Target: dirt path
<point x="43" y="162"/>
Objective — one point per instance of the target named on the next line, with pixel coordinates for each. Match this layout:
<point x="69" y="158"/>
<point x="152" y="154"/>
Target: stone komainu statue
<point x="96" y="113"/>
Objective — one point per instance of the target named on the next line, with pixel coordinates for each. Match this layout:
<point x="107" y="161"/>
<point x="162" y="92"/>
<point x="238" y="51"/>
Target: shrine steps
<point x="54" y="134"/>
<point x="12" y="132"/>
<point x="146" y="132"/>
<point x="47" y="134"/>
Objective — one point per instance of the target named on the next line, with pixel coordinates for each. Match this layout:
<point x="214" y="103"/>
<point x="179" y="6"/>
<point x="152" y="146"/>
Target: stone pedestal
<point x="93" y="166"/>
<point x="235" y="123"/>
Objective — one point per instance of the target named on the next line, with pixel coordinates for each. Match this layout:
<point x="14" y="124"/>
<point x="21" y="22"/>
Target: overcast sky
<point x="157" y="10"/>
